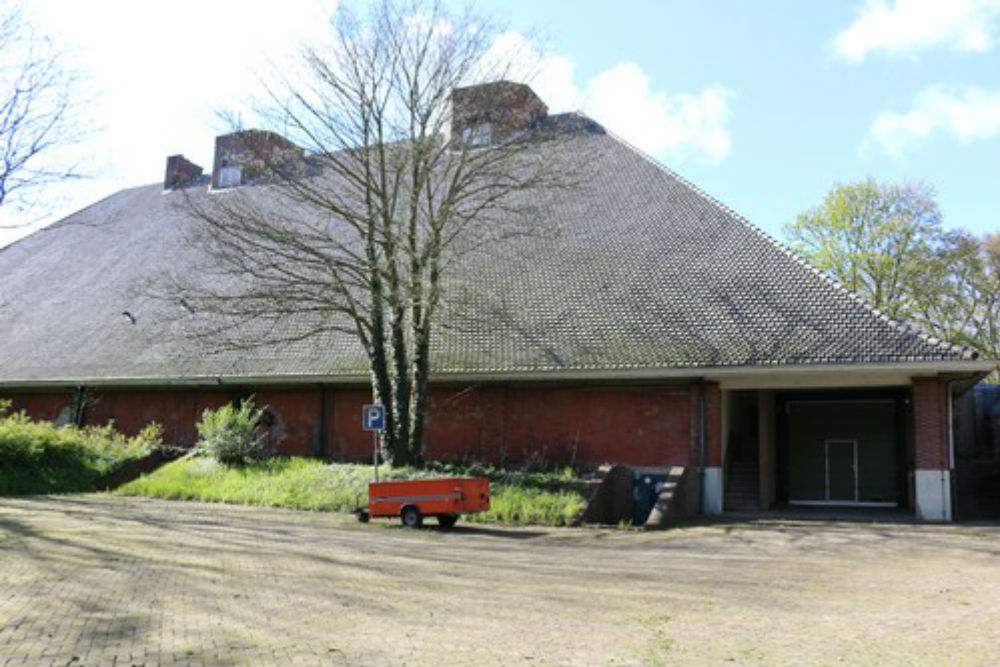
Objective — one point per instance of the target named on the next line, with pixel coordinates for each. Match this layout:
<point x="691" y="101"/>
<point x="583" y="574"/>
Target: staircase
<point x="742" y="487"/>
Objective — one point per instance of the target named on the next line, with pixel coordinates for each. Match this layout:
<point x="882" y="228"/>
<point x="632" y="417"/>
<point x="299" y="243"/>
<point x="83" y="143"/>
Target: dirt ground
<point x="102" y="580"/>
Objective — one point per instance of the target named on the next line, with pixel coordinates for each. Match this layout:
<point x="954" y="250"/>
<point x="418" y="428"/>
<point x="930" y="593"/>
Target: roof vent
<point x="181" y="173"/>
<point x="494" y="112"/>
<point x="251" y="156"/>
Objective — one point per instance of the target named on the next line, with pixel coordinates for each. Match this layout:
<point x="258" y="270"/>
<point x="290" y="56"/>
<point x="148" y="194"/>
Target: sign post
<point x="373" y="419"/>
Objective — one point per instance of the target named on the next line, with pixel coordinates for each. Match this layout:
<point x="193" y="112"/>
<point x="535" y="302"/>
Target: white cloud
<point x="966" y="112"/>
<point x="157" y="84"/>
<point x="676" y="126"/>
<point x="911" y="25"/>
<point x="156" y="80"/>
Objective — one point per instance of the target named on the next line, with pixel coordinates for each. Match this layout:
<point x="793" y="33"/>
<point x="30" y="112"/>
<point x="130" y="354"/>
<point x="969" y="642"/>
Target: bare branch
<point x="36" y="100"/>
<point x="406" y="172"/>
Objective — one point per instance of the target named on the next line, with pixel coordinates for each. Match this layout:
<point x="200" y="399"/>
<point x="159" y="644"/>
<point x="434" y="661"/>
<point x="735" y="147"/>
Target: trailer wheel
<point x="364" y="516"/>
<point x="447" y="520"/>
<point x="411" y="517"/>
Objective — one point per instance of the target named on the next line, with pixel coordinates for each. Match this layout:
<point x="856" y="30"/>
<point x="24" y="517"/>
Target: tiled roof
<point x="637" y="269"/>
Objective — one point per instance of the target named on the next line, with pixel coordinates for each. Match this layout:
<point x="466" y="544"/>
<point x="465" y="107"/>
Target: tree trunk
<point x="401" y="387"/>
<point x="381" y="384"/>
<point x="422" y="312"/>
<point x="421" y="365"/>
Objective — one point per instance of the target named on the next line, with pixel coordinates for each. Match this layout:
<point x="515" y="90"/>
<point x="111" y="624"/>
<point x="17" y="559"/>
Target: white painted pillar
<point x="713" y="490"/>
<point x="933" y="494"/>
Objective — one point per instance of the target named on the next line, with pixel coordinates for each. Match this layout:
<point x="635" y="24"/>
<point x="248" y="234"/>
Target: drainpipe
<point x="79" y="409"/>
<point x="701" y="446"/>
<point x="319" y="446"/>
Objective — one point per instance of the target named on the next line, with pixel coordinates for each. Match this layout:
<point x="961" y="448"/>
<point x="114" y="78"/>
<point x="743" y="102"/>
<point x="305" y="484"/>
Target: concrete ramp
<point x="609" y="496"/>
<point x="672" y="502"/>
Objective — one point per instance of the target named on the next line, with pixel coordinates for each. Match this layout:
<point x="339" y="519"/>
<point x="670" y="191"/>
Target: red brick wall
<point x="345" y="437"/>
<point x="713" y="424"/>
<point x="296" y="414"/>
<point x="637" y="425"/>
<point x="176" y="411"/>
<point x="42" y="405"/>
<point x="641" y="426"/>
<point x="930" y="427"/>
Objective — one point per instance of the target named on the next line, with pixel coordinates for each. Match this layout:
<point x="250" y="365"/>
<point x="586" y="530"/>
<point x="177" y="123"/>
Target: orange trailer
<point x="412" y="500"/>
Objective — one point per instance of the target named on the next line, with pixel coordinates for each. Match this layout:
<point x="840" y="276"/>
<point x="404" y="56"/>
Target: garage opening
<point x="842" y="451"/>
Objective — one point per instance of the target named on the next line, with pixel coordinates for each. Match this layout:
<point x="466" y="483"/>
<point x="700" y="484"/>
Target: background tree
<point x="35" y="104"/>
<point x="878" y="239"/>
<point x="357" y="234"/>
<point x="885" y="242"/>
<point x="960" y="297"/>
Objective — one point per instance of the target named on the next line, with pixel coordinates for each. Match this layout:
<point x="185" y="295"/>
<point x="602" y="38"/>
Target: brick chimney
<point x="493" y="112"/>
<point x="248" y="156"/>
<point x="181" y="173"/>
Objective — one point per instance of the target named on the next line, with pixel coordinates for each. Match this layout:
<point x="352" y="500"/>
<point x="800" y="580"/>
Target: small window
<point x="479" y="135"/>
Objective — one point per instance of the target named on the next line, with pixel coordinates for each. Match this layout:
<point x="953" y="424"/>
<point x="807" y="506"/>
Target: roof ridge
<point x="903" y="326"/>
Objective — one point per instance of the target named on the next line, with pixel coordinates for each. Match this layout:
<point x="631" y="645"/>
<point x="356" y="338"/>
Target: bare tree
<point x="35" y="100"/>
<point x="357" y="232"/>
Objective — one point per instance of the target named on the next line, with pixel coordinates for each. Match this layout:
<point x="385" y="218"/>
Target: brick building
<point x="651" y="326"/>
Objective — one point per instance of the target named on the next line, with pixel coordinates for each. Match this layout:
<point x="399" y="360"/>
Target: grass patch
<point x="518" y="505"/>
<point x="297" y="483"/>
<point x="38" y="457"/>
<point x="518" y="497"/>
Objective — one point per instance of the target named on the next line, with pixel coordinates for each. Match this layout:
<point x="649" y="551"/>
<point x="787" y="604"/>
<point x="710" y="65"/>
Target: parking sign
<point x="373" y="417"/>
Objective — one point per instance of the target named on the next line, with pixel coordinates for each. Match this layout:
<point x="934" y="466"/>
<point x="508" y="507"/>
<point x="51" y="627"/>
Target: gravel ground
<point x="106" y="580"/>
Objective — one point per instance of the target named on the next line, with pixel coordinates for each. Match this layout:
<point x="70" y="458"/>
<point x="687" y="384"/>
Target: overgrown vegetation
<point x="38" y="457"/>
<point x="518" y="497"/>
<point x="231" y="434"/>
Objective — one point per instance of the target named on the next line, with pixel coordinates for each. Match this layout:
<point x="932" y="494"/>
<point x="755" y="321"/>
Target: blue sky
<point x="765" y="105"/>
<point x="801" y="112"/>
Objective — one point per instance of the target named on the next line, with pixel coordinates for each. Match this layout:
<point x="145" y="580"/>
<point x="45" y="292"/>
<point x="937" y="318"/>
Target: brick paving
<point x="99" y="580"/>
<point x="104" y="580"/>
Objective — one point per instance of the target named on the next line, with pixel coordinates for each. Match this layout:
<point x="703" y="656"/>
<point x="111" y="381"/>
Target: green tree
<point x="960" y="298"/>
<point x="880" y="240"/>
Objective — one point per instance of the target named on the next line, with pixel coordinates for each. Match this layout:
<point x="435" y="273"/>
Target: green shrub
<point x="231" y="435"/>
<point x="38" y="457"/>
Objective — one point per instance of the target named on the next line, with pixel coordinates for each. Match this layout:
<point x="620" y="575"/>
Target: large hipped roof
<point x="637" y="269"/>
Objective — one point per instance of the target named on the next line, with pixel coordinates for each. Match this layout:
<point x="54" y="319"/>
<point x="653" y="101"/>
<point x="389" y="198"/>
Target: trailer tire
<point x="364" y="516"/>
<point x="411" y="517"/>
<point x="447" y="520"/>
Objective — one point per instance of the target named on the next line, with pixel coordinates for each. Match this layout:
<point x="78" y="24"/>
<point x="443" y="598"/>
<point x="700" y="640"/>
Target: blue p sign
<point x="373" y="417"/>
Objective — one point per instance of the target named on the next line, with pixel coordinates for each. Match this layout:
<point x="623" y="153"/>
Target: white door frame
<point x="854" y="466"/>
